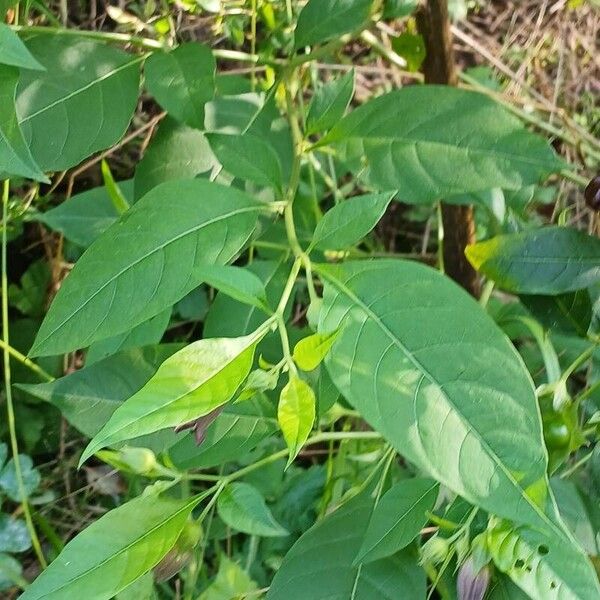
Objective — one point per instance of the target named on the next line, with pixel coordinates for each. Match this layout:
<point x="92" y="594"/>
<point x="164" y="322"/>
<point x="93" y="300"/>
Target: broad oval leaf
<point x="189" y="384"/>
<point x="430" y="142"/>
<point x="349" y="222"/>
<point x="398" y="518"/>
<point x="242" y="507"/>
<point x="114" y="550"/>
<point x="321" y="20"/>
<point x="296" y="414"/>
<point x="551" y="260"/>
<point x="146" y="261"/>
<point x="82" y="103"/>
<point x="14" y="52"/>
<point x="329" y="103"/>
<point x="248" y="157"/>
<point x="429" y="369"/>
<point x="183" y="81"/>
<point x="320" y="565"/>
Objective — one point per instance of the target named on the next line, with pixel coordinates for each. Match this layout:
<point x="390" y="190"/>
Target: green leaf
<point x="544" y="566"/>
<point x="127" y="276"/>
<point x="296" y="414"/>
<point x="10" y="568"/>
<point x="330" y="103"/>
<point x="86" y="215"/>
<point x="248" y="157"/>
<point x="82" y="103"/>
<point x="321" y="20"/>
<point x="117" y="197"/>
<point x="419" y="359"/>
<point x="14" y="536"/>
<point x="144" y="334"/>
<point x="88" y="397"/>
<point x="9" y="484"/>
<point x="448" y="141"/>
<point x="396" y="9"/>
<point x="189" y="384"/>
<point x="14" y="52"/>
<point x="242" y="507"/>
<point x="183" y="81"/>
<point x="231" y="583"/>
<point x="551" y="260"/>
<point x="349" y="222"/>
<point x="175" y="152"/>
<point x="15" y="156"/>
<point x="114" y="550"/>
<point x="238" y="283"/>
<point x="310" y="351"/>
<point x="398" y="518"/>
<point x="411" y="47"/>
<point x="320" y="564"/>
<point x="235" y="432"/>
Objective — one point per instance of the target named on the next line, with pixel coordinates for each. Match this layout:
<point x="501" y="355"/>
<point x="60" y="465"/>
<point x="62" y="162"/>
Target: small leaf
<point x="349" y="222"/>
<point x="330" y="103"/>
<point x="14" y="536"/>
<point x="183" y="81"/>
<point x="236" y="282"/>
<point x="14" y="52"/>
<point x="398" y="518"/>
<point x="296" y="414"/>
<point x="8" y="478"/>
<point x="248" y="157"/>
<point x="114" y="551"/>
<point x="411" y="47"/>
<point x="189" y="384"/>
<point x="231" y="583"/>
<point x="242" y="507"/>
<point x="10" y="572"/>
<point x="551" y="260"/>
<point x="310" y="351"/>
<point x="321" y="20"/>
<point x="117" y="197"/>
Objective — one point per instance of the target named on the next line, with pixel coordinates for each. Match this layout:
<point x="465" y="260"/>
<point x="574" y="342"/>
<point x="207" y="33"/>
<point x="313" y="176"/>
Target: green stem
<point x="26" y="361"/>
<point x="7" y="384"/>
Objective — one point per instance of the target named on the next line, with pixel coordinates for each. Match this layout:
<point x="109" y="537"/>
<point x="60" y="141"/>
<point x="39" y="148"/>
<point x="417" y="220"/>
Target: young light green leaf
<point x="330" y="103"/>
<point x="411" y="47"/>
<point x="15" y="157"/>
<point x="176" y="152"/>
<point x="238" y="283"/>
<point x="350" y="221"/>
<point x="448" y="141"/>
<point x="13" y="51"/>
<point x="85" y="216"/>
<point x="417" y="359"/>
<point x="231" y="582"/>
<point x="542" y="565"/>
<point x="296" y="414"/>
<point x="82" y="103"/>
<point x="310" y="351"/>
<point x="321" y="20"/>
<point x="183" y="81"/>
<point x="248" y="157"/>
<point x="320" y="565"/>
<point x="117" y="197"/>
<point x="398" y="518"/>
<point x="127" y="276"/>
<point x="189" y="384"/>
<point x="551" y="260"/>
<point x="114" y="550"/>
<point x="242" y="507"/>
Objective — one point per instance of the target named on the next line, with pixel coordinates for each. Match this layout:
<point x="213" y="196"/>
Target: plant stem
<point x="7" y="384"/>
<point x="26" y="361"/>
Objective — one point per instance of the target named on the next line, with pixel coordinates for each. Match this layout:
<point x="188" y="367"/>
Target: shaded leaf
<point x="9" y="484"/>
<point x="330" y="103"/>
<point x="14" y="52"/>
<point x="236" y="282"/>
<point x="14" y="536"/>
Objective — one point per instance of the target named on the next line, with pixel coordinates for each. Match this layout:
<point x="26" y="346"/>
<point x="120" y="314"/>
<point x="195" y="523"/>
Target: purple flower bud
<point x="471" y="585"/>
<point x="201" y="424"/>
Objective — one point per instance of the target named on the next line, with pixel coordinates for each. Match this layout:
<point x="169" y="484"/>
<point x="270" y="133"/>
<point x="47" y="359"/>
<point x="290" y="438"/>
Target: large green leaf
<point x="14" y="52"/>
<point x="398" y="518"/>
<point x="176" y="152"/>
<point x="551" y="260"/>
<point x="114" y="551"/>
<point x="321" y="20"/>
<point x="243" y="507"/>
<point x="429" y="369"/>
<point x="85" y="216"/>
<point x="15" y="157"/>
<point x="146" y="261"/>
<point x="183" y="81"/>
<point x="82" y="103"/>
<point x="330" y="103"/>
<point x="320" y="564"/>
<point x="189" y="384"/>
<point x="429" y="142"/>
